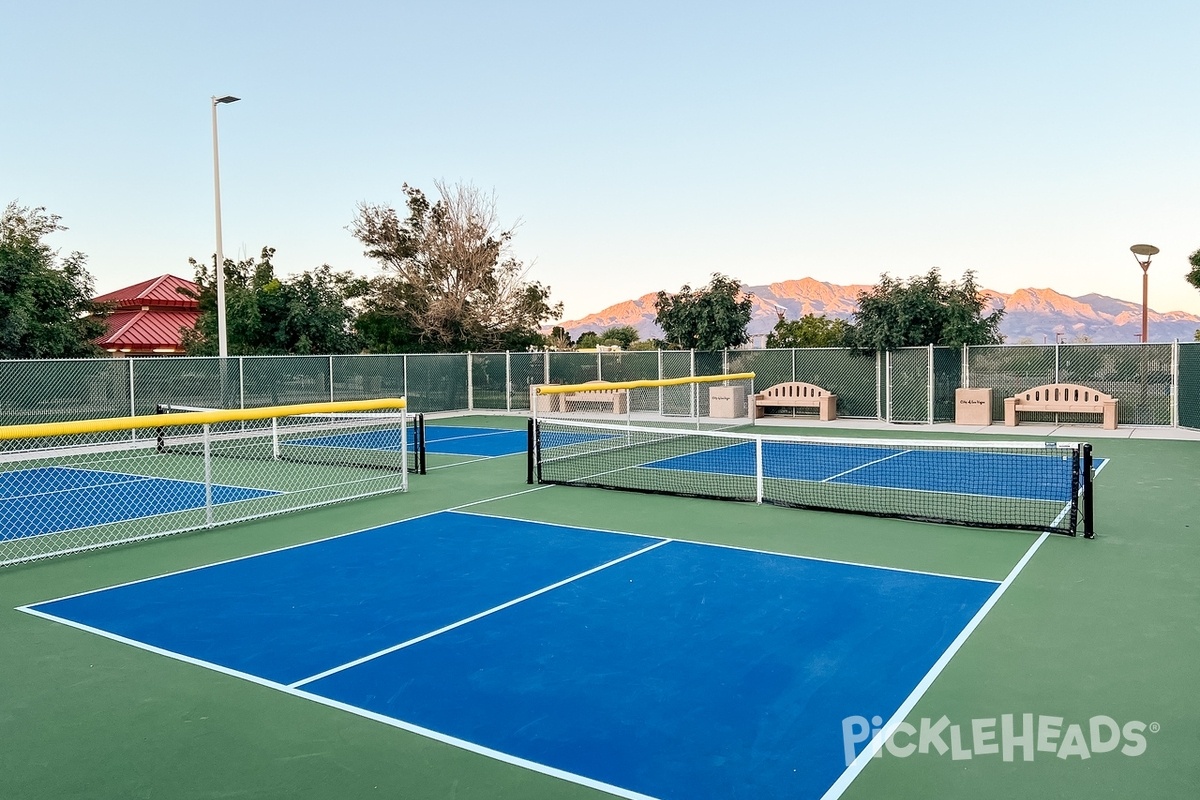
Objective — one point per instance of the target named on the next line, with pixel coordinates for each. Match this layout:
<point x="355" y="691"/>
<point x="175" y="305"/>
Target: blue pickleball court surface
<point x="444" y="439"/>
<point x="1035" y="476"/>
<point x="637" y="664"/>
<point x="53" y="499"/>
<point x="455" y="440"/>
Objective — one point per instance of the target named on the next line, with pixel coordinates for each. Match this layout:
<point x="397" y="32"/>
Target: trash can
<point x="973" y="406"/>
<point x="727" y="402"/>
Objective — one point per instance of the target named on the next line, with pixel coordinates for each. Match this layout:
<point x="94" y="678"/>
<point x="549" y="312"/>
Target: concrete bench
<point x="797" y="394"/>
<point x="1061" y="398"/>
<point x="616" y="398"/>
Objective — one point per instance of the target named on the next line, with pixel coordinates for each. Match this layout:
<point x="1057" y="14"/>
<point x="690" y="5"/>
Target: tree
<point x="46" y="308"/>
<point x="587" y="340"/>
<point x="810" y="330"/>
<point x="712" y="318"/>
<point x="265" y="315"/>
<point x="621" y="335"/>
<point x="924" y="310"/>
<point x="451" y="281"/>
<point x="559" y="338"/>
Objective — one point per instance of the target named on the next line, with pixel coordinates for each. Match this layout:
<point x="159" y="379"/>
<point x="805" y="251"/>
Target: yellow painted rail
<point x="602" y="386"/>
<point x="109" y="424"/>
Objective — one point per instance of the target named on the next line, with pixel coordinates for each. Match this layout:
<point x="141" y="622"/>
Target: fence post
<point x="879" y="387"/>
<point x="208" y="483"/>
<point x="132" y="402"/>
<point x="599" y="364"/>
<point x="888" y="418"/>
<point x="1057" y="379"/>
<point x="793" y="364"/>
<point x="546" y="367"/>
<point x="331" y="397"/>
<point x="404" y="369"/>
<point x="660" y="389"/>
<point x="1175" y="384"/>
<point x="241" y="381"/>
<point x="929" y="399"/>
<point x="693" y="365"/>
<point x="507" y="381"/>
<point x="966" y="367"/>
<point x="470" y="383"/>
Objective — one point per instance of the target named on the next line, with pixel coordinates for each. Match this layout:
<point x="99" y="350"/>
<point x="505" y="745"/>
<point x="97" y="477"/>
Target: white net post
<point x="758" y="469"/>
<point x="208" y="479"/>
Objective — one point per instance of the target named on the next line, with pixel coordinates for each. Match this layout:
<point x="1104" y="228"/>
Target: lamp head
<point x="226" y="99"/>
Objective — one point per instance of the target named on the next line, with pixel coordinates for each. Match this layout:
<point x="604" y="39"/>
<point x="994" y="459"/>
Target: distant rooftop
<point x="147" y="317"/>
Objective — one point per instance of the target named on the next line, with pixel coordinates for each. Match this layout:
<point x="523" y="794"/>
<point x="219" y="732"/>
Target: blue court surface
<point x="444" y="439"/>
<point x="467" y="441"/>
<point x="643" y="666"/>
<point x="54" y="499"/>
<point x="1038" y="475"/>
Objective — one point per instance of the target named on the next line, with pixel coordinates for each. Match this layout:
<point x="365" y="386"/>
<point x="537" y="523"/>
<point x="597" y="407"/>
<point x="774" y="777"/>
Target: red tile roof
<point x="143" y="331"/>
<point x="160" y="292"/>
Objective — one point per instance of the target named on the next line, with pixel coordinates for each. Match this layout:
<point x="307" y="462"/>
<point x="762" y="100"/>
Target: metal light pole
<point x="1142" y="253"/>
<point x="222" y="334"/>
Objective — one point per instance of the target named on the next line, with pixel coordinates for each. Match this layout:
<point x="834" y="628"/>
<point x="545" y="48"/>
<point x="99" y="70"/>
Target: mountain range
<point x="1030" y="315"/>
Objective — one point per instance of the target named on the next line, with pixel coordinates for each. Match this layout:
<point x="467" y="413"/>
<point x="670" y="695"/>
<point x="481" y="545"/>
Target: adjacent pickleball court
<point x="44" y="500"/>
<point x="645" y="666"/>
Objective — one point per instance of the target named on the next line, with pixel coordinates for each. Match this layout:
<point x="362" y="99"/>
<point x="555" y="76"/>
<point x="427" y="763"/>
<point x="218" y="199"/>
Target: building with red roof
<point x="147" y="317"/>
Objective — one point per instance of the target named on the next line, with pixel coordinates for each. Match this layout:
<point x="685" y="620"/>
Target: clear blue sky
<point x="642" y="144"/>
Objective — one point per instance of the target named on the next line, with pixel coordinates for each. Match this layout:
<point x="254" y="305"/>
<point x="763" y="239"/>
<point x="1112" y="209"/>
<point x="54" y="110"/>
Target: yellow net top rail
<point x="110" y="424"/>
<point x="603" y="386"/>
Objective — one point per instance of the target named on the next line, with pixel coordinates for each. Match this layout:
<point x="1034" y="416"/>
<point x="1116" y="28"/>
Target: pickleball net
<point x="1039" y="486"/>
<point x="72" y="486"/>
<point x="364" y="439"/>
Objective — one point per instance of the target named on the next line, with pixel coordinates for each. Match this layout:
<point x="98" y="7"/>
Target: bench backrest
<point x="793" y="389"/>
<point x="1062" y="393"/>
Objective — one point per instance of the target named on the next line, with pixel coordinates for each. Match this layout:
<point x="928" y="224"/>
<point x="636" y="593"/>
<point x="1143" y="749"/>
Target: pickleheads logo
<point x="1028" y="734"/>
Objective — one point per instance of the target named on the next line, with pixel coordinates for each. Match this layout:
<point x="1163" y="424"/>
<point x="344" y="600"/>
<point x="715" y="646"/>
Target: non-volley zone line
<point x="557" y="629"/>
<point x="84" y="498"/>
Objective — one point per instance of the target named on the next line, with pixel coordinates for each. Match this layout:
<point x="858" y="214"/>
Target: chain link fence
<point x="1139" y="376"/>
<point x="1188" y="395"/>
<point x="1153" y="385"/>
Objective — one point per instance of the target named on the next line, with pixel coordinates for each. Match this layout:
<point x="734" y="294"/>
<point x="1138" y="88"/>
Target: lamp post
<point x="1142" y="253"/>
<point x="222" y="334"/>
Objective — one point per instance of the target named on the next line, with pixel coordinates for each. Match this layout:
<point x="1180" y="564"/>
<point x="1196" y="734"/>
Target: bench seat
<point x="618" y="400"/>
<point x="1061" y="398"/>
<point x="797" y="394"/>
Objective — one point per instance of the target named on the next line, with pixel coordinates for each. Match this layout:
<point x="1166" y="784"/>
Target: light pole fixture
<point x="222" y="333"/>
<point x="1142" y="253"/>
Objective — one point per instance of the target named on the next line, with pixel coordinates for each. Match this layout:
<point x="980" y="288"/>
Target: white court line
<point x="286" y="547"/>
<point x="462" y="744"/>
<point x="69" y="489"/>
<point x="856" y="766"/>
<point x="739" y="548"/>
<point x="372" y="656"/>
<point x="864" y="466"/>
<point x="491" y="432"/>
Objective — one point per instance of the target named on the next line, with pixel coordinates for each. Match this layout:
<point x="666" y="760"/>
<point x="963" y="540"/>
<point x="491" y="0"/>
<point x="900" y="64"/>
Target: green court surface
<point x="1106" y="627"/>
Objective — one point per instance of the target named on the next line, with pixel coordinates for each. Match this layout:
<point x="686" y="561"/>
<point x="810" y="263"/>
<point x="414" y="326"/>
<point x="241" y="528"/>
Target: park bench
<point x="797" y="394"/>
<point x="1061" y="398"/>
<point x="616" y="398"/>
